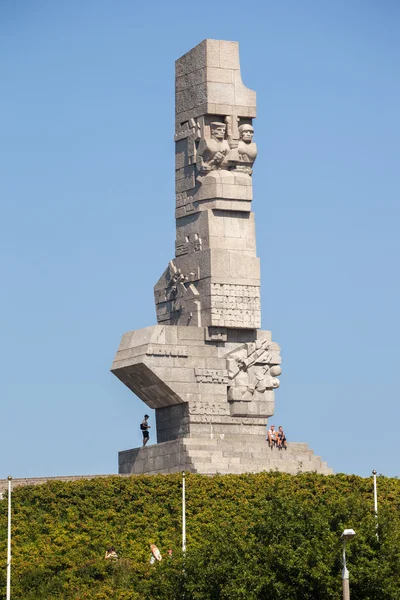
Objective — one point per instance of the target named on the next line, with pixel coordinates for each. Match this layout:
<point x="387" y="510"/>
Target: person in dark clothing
<point x="281" y="438"/>
<point x="144" y="426"/>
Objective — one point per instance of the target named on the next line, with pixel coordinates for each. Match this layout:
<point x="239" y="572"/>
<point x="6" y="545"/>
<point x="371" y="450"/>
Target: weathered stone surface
<point x="234" y="371"/>
<point x="215" y="153"/>
<point x="206" y="368"/>
<point x="220" y="455"/>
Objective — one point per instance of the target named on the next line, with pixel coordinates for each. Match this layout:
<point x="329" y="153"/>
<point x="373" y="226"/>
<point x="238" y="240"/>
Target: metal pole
<point x="346" y="588"/>
<point x="376" y="504"/>
<point x="345" y="575"/>
<point x="183" y="513"/>
<point x="9" y="541"/>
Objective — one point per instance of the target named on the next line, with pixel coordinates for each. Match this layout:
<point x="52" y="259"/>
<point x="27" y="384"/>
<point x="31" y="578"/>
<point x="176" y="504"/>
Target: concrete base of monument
<point x="234" y="454"/>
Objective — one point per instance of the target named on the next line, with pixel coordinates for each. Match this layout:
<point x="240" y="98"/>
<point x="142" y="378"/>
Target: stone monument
<point x="206" y="368"/>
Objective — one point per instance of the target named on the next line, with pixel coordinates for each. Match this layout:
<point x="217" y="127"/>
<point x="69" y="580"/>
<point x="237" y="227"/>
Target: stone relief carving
<point x="235" y="305"/>
<point x="208" y="408"/>
<point x="247" y="149"/>
<point x="175" y="289"/>
<point x="211" y="375"/>
<point x="230" y="148"/>
<point x="164" y="350"/>
<point x="192" y="243"/>
<point x="190" y="131"/>
<point x="253" y="369"/>
<point x="178" y="289"/>
<point x="212" y="152"/>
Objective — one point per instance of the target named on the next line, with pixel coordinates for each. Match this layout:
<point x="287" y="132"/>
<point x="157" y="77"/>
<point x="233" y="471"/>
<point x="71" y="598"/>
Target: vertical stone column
<point x="214" y="279"/>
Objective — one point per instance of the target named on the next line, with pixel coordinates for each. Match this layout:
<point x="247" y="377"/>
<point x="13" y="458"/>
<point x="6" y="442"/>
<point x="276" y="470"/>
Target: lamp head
<point x="9" y="478"/>
<point x="374" y="472"/>
<point x="347" y="534"/>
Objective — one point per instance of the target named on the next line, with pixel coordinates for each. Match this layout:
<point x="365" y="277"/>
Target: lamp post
<point x="346" y="535"/>
<point x="183" y="531"/>
<point x="183" y="513"/>
<point x="375" y="504"/>
<point x="9" y="540"/>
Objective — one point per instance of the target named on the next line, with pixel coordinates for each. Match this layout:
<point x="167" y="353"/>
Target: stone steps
<point x="227" y="455"/>
<point x="200" y="443"/>
<point x="251" y="450"/>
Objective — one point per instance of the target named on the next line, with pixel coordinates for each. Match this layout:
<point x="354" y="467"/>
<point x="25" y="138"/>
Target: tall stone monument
<point x="206" y="368"/>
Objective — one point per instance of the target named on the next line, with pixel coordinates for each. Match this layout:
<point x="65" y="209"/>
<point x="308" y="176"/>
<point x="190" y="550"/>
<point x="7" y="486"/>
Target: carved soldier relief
<point x="212" y="152"/>
<point x="223" y="151"/>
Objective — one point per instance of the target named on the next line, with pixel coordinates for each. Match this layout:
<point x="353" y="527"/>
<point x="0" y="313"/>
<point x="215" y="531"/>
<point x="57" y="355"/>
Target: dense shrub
<point x="266" y="536"/>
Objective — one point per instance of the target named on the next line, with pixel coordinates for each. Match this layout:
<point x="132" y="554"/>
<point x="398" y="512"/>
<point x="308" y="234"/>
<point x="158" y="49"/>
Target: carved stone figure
<point x="252" y="370"/>
<point x="247" y="149"/>
<point x="212" y="152"/>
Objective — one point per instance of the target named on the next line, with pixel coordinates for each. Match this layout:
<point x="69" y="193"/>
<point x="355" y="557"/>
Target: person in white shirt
<point x="272" y="437"/>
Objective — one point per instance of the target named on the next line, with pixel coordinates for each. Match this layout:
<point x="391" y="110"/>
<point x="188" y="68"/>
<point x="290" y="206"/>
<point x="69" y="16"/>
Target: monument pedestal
<point x="223" y="455"/>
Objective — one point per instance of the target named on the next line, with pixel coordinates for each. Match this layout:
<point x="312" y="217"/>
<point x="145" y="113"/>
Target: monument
<point x="206" y="367"/>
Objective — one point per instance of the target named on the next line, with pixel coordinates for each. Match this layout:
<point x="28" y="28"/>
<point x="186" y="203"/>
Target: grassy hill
<point x="266" y="536"/>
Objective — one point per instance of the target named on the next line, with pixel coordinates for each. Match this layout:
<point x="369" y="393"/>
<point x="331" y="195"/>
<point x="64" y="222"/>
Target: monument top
<point x="208" y="81"/>
<point x="214" y="279"/>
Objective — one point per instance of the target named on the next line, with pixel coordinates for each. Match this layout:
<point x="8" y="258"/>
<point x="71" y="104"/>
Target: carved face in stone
<point x="246" y="133"/>
<point x="241" y="364"/>
<point x="218" y="131"/>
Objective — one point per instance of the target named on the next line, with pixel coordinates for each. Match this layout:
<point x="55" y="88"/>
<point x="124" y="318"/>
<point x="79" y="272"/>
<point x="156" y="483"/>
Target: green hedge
<point x="266" y="536"/>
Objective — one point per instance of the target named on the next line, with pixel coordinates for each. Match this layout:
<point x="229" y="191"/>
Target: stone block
<point x="221" y="92"/>
<point x="192" y="362"/>
<point x="235" y="191"/>
<point x="190" y="334"/>
<point x="212" y="53"/>
<point x="229" y="55"/>
<point x="244" y="266"/>
<point x="243" y="95"/>
<point x="216" y="389"/>
<point x="189" y="98"/>
<point x="191" y="79"/>
<point x="140" y="337"/>
<point x="220" y="262"/>
<point x="193" y="60"/>
<point x="218" y="75"/>
<point x="215" y="363"/>
<point x="175" y="374"/>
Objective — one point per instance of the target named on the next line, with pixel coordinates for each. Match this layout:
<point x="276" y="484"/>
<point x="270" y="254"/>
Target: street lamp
<point x="375" y="505"/>
<point x="346" y="535"/>
<point x="183" y="513"/>
<point x="8" y="592"/>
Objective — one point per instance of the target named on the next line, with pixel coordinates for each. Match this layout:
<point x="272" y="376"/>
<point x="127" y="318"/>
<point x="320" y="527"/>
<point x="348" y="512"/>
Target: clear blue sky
<point x="87" y="216"/>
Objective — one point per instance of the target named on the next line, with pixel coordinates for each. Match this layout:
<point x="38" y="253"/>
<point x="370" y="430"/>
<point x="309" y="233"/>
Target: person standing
<point x="144" y="426"/>
<point x="111" y="554"/>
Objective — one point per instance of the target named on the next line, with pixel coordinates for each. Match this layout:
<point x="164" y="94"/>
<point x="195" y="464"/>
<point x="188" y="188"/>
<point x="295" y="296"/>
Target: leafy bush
<point x="264" y="536"/>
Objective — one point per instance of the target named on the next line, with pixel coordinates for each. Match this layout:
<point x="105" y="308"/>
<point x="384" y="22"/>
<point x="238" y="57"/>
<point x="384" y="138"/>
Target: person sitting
<point x="271" y="437"/>
<point x="281" y="438"/>
<point x="111" y="554"/>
